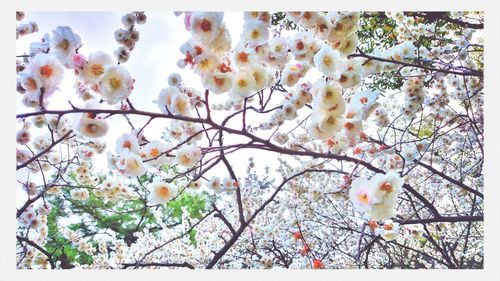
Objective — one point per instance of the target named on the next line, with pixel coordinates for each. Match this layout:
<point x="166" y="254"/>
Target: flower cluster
<point x="388" y="230"/>
<point x="45" y="71"/>
<point x="80" y="194"/>
<point x="91" y="125"/>
<point x="414" y="96"/>
<point x="188" y="155"/>
<point x="172" y="100"/>
<point x="409" y="28"/>
<point x="84" y="174"/>
<point x="226" y="185"/>
<point x="25" y="28"/>
<point x="238" y="72"/>
<point x="113" y="190"/>
<point x="335" y="38"/>
<point x="36" y="220"/>
<point x="185" y="131"/>
<point x="128" y="160"/>
<point x="377" y="196"/>
<point x="328" y="107"/>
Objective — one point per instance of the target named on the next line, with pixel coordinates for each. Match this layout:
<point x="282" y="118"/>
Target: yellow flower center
<point x="255" y="34"/>
<point x="257" y="77"/>
<point x="97" y="69"/>
<point x="363" y="198"/>
<point x="331" y="120"/>
<point x="64" y="44"/>
<point x="185" y="159"/>
<point x="115" y="83"/>
<point x="181" y="105"/>
<point x="328" y="94"/>
<point x="133" y="164"/>
<point x="242" y="83"/>
<point x="327" y="60"/>
<point x="205" y="64"/>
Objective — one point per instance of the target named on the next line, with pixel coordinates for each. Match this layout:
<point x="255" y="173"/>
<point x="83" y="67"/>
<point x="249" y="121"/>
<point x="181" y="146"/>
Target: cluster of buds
<point x="128" y="36"/>
<point x="24" y="28"/>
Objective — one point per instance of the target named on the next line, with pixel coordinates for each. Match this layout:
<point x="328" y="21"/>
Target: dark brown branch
<point x="36" y="246"/>
<point x="221" y="216"/>
<point x="184" y="264"/>
<point x="20" y="166"/>
<point x="240" y="230"/>
<point x="434" y="16"/>
<point x="444" y="219"/>
<point x="268" y="145"/>
<point x="463" y="73"/>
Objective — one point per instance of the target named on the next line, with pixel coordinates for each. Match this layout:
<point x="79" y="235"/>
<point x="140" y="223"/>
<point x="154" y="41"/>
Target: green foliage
<point x="122" y="220"/>
<point x="376" y="31"/>
<point x="477" y="55"/>
<point x="422" y="131"/>
<point x="168" y="167"/>
<point x="278" y="17"/>
<point x="144" y="178"/>
<point x="192" y="236"/>
<point x="83" y="258"/>
<point x="422" y="241"/>
<point x="125" y="217"/>
<point x="57" y="243"/>
<point x="194" y="203"/>
<point x="72" y="175"/>
<point x="386" y="81"/>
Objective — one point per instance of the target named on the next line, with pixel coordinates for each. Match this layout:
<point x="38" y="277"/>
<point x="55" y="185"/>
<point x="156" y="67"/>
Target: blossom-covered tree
<point x="365" y="132"/>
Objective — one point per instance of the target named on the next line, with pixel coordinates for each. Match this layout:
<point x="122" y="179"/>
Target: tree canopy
<point x="315" y="140"/>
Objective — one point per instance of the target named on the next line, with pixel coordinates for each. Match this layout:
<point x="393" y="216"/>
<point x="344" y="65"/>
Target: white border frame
<point x="491" y="271"/>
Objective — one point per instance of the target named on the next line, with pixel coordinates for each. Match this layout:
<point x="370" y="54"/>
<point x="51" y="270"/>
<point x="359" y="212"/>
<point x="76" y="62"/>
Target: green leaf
<point x="192" y="237"/>
<point x="70" y="252"/>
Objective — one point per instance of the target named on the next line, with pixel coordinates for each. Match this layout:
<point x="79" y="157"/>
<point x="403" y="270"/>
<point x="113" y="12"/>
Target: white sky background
<point x="154" y="57"/>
